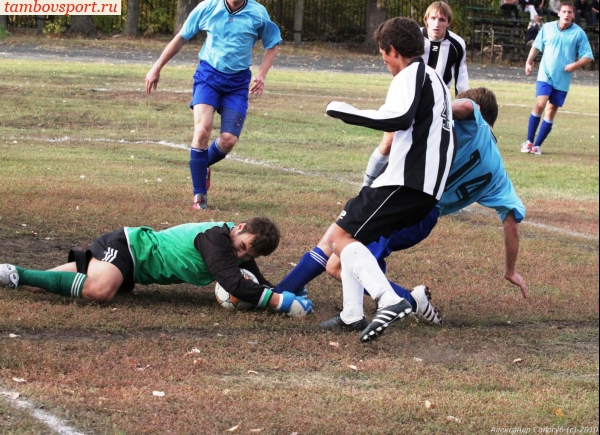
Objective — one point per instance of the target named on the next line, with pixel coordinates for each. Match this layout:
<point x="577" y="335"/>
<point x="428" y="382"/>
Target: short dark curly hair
<point x="404" y="34"/>
<point x="486" y="99"/>
<point x="266" y="236"/>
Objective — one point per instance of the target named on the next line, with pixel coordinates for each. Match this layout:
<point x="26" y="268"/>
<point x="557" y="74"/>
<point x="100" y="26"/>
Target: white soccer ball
<point x="230" y="302"/>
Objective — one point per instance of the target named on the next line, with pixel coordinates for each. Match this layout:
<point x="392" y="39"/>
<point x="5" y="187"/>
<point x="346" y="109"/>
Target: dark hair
<point x="486" y="99"/>
<point x="266" y="236"/>
<point x="403" y="34"/>
<point x="569" y="4"/>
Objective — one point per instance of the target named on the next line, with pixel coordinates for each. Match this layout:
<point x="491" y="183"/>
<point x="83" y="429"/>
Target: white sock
<point x="353" y="297"/>
<point x="359" y="261"/>
<point x="376" y="163"/>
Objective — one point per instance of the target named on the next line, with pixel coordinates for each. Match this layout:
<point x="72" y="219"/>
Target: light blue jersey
<point x="560" y="48"/>
<point x="230" y="36"/>
<point x="478" y="173"/>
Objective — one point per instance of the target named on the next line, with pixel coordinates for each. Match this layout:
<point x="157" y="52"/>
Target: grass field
<point x="84" y="151"/>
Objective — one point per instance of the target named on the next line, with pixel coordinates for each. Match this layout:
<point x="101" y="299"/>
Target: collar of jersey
<point x="232" y="12"/>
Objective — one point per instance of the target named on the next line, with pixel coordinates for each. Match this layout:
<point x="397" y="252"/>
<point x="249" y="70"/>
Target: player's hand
<point x="295" y="306"/>
<point x="570" y="68"/>
<point x="528" y="68"/>
<point x="258" y="85"/>
<point x="152" y="80"/>
<point x="518" y="280"/>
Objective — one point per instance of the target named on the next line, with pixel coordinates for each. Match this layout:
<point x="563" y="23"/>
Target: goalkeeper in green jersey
<point x="194" y="253"/>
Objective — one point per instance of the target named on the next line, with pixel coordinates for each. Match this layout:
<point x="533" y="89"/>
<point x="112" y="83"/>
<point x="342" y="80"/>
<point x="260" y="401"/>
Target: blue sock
<point x="534" y="121"/>
<point x="545" y="130"/>
<point x="311" y="265"/>
<point x="198" y="165"/>
<point x="215" y="155"/>
<point x="403" y="293"/>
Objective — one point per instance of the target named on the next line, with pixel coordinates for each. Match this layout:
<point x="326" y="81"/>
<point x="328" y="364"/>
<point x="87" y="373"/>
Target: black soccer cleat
<point x="384" y="317"/>
<point x="337" y="324"/>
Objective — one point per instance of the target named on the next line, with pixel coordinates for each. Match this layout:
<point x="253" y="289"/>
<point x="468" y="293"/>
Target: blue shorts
<point x="227" y="93"/>
<point x="545" y="89"/>
<point x="404" y="238"/>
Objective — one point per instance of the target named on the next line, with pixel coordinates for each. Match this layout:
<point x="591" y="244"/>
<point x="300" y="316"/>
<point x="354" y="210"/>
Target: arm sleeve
<point x="214" y="246"/>
<point x="504" y="199"/>
<point x="269" y="33"/>
<point x="584" y="49"/>
<point x="252" y="267"/>
<point x="194" y="22"/>
<point x="462" y="75"/>
<point x="400" y="106"/>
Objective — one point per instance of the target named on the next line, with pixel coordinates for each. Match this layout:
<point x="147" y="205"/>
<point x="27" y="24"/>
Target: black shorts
<point x="377" y="211"/>
<point x="114" y="249"/>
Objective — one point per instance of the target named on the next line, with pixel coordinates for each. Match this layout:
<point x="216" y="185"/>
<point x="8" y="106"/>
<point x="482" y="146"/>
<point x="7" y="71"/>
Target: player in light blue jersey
<point x="222" y="78"/>
<point x="565" y="48"/>
<point x="477" y="175"/>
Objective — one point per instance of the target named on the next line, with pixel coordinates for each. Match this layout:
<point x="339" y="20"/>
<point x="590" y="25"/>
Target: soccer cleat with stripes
<point x="337" y="324"/>
<point x="425" y="310"/>
<point x="384" y="317"/>
<point x="9" y="277"/>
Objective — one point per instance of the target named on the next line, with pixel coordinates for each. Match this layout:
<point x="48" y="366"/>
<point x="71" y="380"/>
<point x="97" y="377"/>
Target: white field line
<point x="54" y="423"/>
<point x="469" y="209"/>
<point x="282" y="94"/>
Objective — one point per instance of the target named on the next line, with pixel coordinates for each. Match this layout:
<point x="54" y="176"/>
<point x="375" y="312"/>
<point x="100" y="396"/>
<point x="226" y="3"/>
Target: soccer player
<point x="565" y="48"/>
<point x="194" y="253"/>
<point x="477" y="175"/>
<point x="417" y="108"/>
<point x="222" y="78"/>
<point x="446" y="53"/>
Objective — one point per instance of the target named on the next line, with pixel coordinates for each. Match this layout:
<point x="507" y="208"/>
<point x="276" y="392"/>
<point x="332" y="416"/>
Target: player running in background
<point x="446" y="53"/>
<point x="417" y="108"/>
<point x="195" y="253"/>
<point x="565" y="48"/>
<point x="222" y="78"/>
<point x="477" y="175"/>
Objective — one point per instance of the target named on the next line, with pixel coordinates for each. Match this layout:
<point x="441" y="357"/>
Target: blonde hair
<point x="440" y="7"/>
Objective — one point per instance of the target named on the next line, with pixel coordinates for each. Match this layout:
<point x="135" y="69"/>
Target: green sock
<point x="67" y="284"/>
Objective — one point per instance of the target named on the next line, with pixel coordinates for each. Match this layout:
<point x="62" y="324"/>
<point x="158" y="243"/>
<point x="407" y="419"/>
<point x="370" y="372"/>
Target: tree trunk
<point x="132" y="20"/>
<point x="4" y="21"/>
<point x="40" y="23"/>
<point x="184" y="7"/>
<point x="82" y="25"/>
<point x="376" y="14"/>
<point x="298" y="15"/>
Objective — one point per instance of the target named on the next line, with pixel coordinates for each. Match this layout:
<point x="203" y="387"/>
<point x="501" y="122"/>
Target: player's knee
<point x="334" y="270"/>
<point x="98" y="291"/>
<point x="227" y="141"/>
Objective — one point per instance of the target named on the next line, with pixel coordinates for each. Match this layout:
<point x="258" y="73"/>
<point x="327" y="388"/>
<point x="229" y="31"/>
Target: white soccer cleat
<point x="537" y="151"/>
<point x="425" y="310"/>
<point x="526" y="147"/>
<point x="9" y="277"/>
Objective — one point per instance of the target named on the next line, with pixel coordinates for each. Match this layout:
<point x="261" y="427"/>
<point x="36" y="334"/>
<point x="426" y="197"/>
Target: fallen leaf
<point x="429" y="405"/>
<point x="418" y="359"/>
<point x="292" y="264"/>
<point x="558" y="412"/>
<point x="69" y="392"/>
<point x="226" y="391"/>
<point x="234" y="428"/>
<point x="199" y="360"/>
<point x="334" y="344"/>
<point x="454" y="419"/>
<point x="256" y="430"/>
<point x="158" y="393"/>
<point x="13" y="335"/>
<point x="252" y="372"/>
<point x="19" y="380"/>
<point x="13" y="396"/>
<point x="353" y="367"/>
<point x="517" y="360"/>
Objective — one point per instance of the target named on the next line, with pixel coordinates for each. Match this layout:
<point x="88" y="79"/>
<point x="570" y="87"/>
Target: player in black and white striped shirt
<point x="445" y="51"/>
<point x="417" y="108"/>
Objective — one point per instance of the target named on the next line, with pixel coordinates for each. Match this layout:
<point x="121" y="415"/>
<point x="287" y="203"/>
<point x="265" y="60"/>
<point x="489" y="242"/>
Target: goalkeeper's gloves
<point x="294" y="306"/>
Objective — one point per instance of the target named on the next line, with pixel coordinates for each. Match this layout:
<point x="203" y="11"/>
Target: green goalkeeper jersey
<point x="169" y="256"/>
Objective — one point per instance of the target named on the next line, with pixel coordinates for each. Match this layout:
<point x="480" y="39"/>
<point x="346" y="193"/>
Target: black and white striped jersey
<point x="417" y="108"/>
<point x="449" y="58"/>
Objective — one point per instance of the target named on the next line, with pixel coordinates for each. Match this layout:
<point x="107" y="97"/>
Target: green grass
<point x="80" y="156"/>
